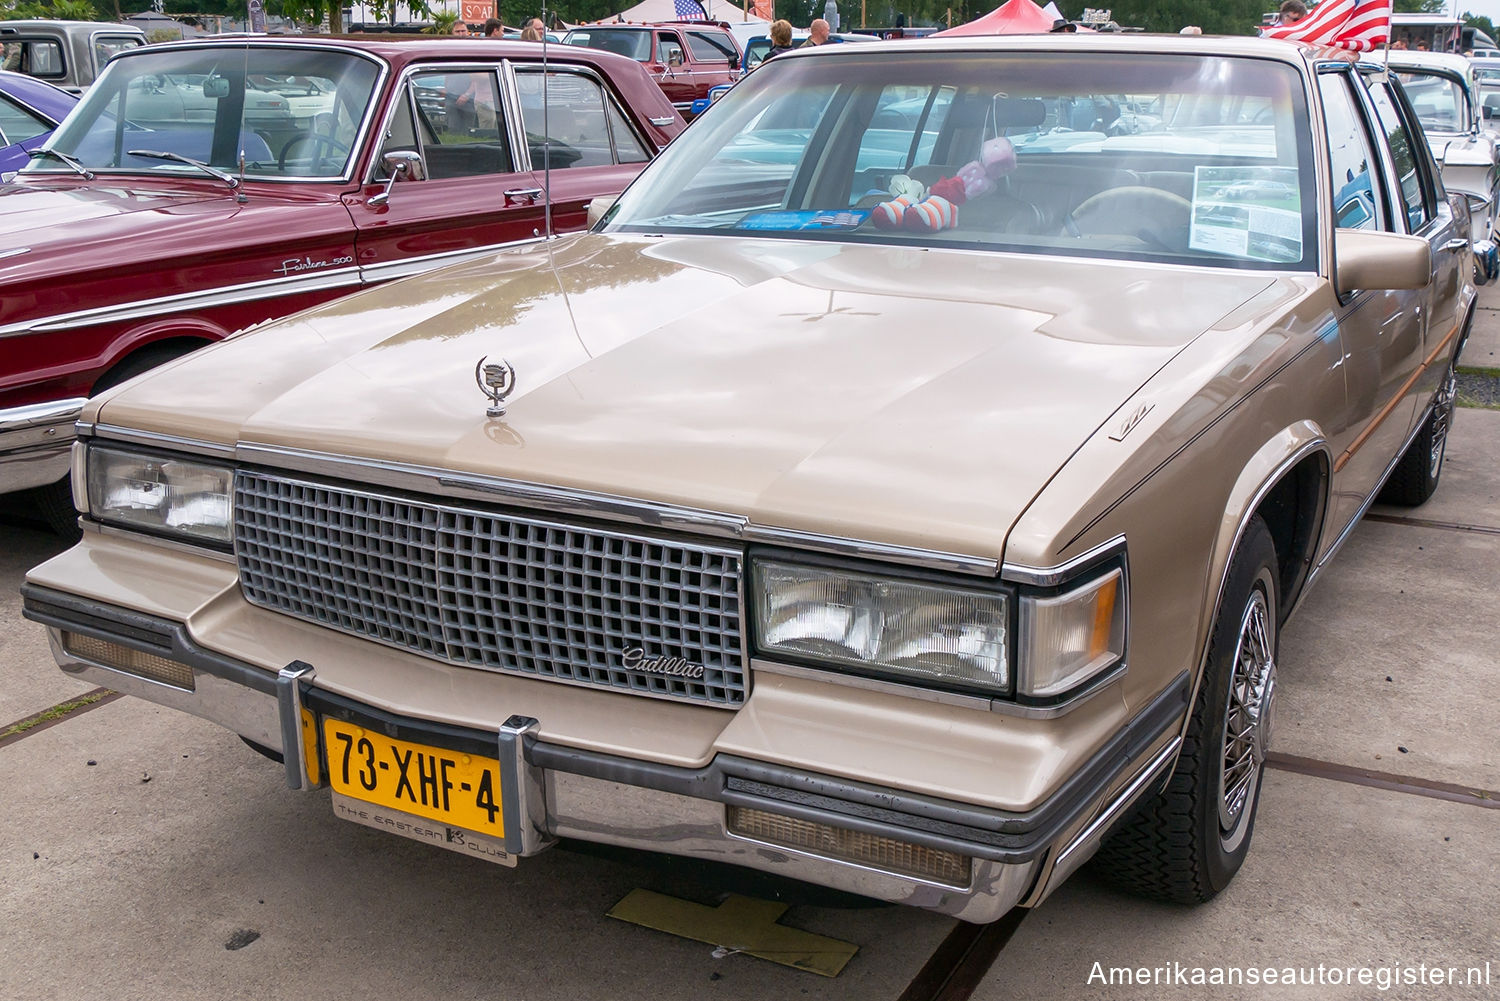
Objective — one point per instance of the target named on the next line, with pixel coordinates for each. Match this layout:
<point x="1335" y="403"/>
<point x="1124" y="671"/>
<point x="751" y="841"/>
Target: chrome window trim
<point x="610" y="100"/>
<point x="408" y="99"/>
<point x="228" y="295"/>
<point x="377" y="88"/>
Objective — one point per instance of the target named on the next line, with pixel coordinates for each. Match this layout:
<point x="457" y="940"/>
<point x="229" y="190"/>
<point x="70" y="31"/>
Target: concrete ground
<point x="146" y="854"/>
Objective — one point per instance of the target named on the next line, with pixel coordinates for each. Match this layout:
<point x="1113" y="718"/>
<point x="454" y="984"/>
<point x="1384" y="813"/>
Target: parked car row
<point x="902" y="487"/>
<point x="229" y="182"/>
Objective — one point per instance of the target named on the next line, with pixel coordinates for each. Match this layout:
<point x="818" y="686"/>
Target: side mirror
<point x="674" y="58"/>
<point x="599" y="208"/>
<point x="404" y="165"/>
<point x="1478" y="204"/>
<point x="1365" y="259"/>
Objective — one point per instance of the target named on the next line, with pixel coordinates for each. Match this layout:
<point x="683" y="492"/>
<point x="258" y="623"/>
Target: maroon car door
<point x="672" y="70"/>
<point x="466" y="188"/>
<point x="581" y="142"/>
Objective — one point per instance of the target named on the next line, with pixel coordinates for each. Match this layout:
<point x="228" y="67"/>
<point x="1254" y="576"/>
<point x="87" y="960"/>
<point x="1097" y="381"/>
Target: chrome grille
<point x="496" y="591"/>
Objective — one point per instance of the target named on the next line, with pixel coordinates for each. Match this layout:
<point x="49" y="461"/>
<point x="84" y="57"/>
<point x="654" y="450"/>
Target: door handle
<point x="516" y="194"/>
<point x="1456" y="244"/>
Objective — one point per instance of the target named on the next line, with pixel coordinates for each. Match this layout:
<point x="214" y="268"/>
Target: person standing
<point x="493" y="28"/>
<point x="781" y="38"/>
<point x="535" y="30"/>
<point x="817" y="33"/>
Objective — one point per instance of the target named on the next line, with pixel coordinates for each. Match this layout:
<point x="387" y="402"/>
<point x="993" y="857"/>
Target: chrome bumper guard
<point x="553" y="791"/>
<point x="34" y="442"/>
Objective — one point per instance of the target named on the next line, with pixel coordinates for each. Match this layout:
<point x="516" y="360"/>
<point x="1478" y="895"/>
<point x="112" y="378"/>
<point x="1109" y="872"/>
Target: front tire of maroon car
<point x="1187" y="843"/>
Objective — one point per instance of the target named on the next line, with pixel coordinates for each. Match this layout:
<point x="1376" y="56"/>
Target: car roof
<point x="1450" y="61"/>
<point x="1080" y="44"/>
<point x="397" y="49"/>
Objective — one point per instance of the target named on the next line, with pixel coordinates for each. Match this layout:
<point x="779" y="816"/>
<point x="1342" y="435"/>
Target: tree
<point x="1480" y="22"/>
<point x="1420" y="6"/>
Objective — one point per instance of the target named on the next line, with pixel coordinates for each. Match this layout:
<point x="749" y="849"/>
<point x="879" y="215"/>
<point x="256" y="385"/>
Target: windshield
<point x="1438" y="101"/>
<point x="632" y="44"/>
<point x="289" y="113"/>
<point x="1142" y="156"/>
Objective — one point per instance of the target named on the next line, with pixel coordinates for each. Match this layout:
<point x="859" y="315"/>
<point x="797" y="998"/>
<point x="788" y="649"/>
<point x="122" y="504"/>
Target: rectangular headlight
<point x="1069" y="638"/>
<point x="178" y="497"/>
<point x="921" y="633"/>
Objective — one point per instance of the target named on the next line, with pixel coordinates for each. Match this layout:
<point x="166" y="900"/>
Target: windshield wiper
<point x="215" y="172"/>
<point x="78" y="168"/>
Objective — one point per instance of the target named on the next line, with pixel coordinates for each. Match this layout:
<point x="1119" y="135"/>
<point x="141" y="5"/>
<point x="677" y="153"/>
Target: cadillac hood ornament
<point x="495" y="381"/>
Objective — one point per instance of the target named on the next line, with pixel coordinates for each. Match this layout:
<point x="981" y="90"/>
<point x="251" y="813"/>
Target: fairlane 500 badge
<point x="496" y="382"/>
<point x="635" y="659"/>
<point x="295" y="265"/>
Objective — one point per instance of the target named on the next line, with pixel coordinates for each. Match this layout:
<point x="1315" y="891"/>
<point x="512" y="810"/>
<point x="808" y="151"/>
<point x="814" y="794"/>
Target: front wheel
<point x="1186" y="844"/>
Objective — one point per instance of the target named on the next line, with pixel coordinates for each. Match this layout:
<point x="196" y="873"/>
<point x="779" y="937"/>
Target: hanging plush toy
<point x="924" y="210"/>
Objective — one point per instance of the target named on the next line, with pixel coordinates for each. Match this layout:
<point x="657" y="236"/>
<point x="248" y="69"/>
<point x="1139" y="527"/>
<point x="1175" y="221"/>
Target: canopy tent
<point x="1014" y="17"/>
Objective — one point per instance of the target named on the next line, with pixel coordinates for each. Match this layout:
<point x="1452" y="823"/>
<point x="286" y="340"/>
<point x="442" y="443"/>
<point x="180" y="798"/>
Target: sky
<point x="1483" y="8"/>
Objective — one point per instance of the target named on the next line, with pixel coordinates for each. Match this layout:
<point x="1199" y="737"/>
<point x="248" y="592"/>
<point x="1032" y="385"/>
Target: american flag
<point x="689" y="10"/>
<point x="1345" y="24"/>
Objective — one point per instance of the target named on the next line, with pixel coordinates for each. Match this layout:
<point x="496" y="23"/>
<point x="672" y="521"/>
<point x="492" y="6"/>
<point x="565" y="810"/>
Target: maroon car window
<point x="625" y="42"/>
<point x="709" y="47"/>
<point x="578" y="123"/>
<point x="668" y="48"/>
<point x="468" y="139"/>
<point x="1351" y="158"/>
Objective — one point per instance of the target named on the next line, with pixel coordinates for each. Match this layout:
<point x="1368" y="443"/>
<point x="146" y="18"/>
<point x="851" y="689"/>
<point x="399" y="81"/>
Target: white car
<point x="1444" y="91"/>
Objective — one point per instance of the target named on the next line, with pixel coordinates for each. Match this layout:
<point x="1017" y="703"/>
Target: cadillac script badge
<point x="496" y="382"/>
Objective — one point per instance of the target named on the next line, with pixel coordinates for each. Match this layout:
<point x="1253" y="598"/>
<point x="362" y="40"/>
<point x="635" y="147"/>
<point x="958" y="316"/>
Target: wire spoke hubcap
<point x="1442" y="417"/>
<point x="1248" y="720"/>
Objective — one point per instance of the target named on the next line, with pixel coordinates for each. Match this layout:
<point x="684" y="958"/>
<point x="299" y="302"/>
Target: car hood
<point x="28" y="211"/>
<point x="905" y="396"/>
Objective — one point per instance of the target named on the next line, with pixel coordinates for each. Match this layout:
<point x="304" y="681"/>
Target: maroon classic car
<point x="203" y="187"/>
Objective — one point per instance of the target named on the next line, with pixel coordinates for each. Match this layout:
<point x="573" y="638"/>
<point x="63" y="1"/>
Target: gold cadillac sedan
<point x="901" y="488"/>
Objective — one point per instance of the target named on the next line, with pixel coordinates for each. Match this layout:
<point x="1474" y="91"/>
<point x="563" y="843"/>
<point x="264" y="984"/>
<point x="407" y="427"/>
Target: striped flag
<point x="1345" y="24"/>
<point x="689" y="10"/>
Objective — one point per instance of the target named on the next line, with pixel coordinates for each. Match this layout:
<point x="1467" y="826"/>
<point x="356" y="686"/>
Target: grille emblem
<point x="497" y="382"/>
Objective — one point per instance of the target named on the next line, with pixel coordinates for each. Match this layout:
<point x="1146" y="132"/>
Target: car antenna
<point x="546" y="135"/>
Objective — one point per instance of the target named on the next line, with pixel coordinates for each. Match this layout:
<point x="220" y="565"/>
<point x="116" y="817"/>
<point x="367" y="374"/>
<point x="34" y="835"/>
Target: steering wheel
<point x="319" y="141"/>
<point x="1151" y="215"/>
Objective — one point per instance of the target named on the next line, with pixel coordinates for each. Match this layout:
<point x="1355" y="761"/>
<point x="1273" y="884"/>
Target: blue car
<point x="29" y="110"/>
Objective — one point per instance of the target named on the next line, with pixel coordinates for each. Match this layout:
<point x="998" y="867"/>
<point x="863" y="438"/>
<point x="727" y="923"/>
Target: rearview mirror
<point x="215" y="87"/>
<point x="1365" y="259"/>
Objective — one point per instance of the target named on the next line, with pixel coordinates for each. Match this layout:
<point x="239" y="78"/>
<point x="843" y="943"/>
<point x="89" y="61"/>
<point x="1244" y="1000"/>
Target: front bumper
<point x="34" y="442"/>
<point x="555" y="791"/>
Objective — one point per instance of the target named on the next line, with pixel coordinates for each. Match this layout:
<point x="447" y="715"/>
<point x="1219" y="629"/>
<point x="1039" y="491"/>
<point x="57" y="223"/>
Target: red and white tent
<point x="1014" y="17"/>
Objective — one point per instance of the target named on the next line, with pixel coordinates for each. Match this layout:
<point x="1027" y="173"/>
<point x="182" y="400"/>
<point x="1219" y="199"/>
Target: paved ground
<point x="138" y="845"/>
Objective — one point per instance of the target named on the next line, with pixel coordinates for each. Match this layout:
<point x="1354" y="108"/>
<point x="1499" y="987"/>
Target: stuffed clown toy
<point x="927" y="210"/>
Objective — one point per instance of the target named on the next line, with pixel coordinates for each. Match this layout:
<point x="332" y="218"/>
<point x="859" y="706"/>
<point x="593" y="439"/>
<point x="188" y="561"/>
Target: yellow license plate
<point x="450" y="787"/>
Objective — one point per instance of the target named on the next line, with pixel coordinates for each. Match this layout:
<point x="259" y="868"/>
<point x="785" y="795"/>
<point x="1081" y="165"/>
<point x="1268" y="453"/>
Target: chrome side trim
<point x="1094" y="832"/>
<point x="228" y="295"/>
<point x="37" y="414"/>
<point x="1020" y="573"/>
<point x="839" y="546"/>
<point x="114" y="432"/>
<point x="554" y="499"/>
<point x="408" y="266"/>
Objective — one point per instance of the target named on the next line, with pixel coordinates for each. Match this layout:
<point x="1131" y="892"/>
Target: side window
<point x="1356" y="202"/>
<point x="668" y="50"/>
<point x="467" y="138"/>
<point x="34" y="57"/>
<point x="1409" y="178"/>
<point x="575" y="126"/>
<point x="708" y="48"/>
<point x="401" y="134"/>
<point x="18" y="124"/>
